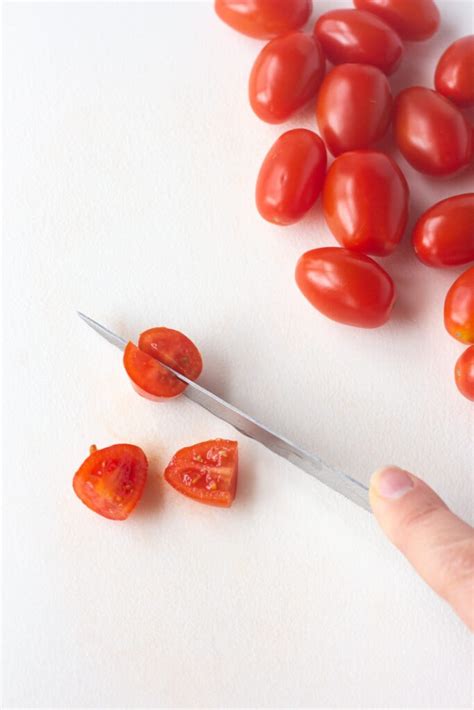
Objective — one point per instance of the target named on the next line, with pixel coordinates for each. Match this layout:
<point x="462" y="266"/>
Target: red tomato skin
<point x="464" y="373"/>
<point x="264" y="19"/>
<point x="285" y="76"/>
<point x="431" y="133"/>
<point x="111" y="481"/>
<point x="189" y="469"/>
<point x="444" y="234"/>
<point x="354" y="107"/>
<point x="454" y="75"/>
<point x="413" y="20"/>
<point x="359" y="37"/>
<point x="345" y="286"/>
<point x="459" y="308"/>
<point x="365" y="202"/>
<point x="291" y="176"/>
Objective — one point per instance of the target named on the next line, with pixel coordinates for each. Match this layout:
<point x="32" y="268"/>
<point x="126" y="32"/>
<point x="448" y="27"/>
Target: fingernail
<point x="391" y="482"/>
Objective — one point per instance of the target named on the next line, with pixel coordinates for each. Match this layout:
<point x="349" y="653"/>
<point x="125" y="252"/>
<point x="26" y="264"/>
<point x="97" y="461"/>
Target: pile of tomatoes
<point x="365" y="196"/>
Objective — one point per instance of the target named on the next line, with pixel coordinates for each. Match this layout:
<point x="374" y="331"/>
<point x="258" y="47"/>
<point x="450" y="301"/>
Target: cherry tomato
<point x="412" y="19"/>
<point x="431" y="133"/>
<point x="291" y="176"/>
<point x="360" y="37"/>
<point x="285" y="76"/>
<point x="454" y="76"/>
<point x="464" y="373"/>
<point x="354" y="107"/>
<point x="444" y="234"/>
<point x="206" y="472"/>
<point x="346" y="287"/>
<point x="459" y="308"/>
<point x="264" y="18"/>
<point x="365" y="202"/>
<point x="149" y="377"/>
<point x="111" y="481"/>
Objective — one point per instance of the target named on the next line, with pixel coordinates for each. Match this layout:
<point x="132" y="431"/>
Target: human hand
<point x="439" y="545"/>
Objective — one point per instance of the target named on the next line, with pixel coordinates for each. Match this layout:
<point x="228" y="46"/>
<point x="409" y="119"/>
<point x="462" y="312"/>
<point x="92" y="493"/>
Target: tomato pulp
<point x="444" y="234"/>
<point x="264" y="19"/>
<point x="459" y="308"/>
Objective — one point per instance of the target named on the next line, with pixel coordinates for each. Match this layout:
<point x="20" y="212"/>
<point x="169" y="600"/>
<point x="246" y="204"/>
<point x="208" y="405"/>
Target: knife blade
<point x="247" y="425"/>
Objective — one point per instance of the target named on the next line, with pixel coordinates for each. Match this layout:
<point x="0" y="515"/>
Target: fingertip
<point x="390" y="483"/>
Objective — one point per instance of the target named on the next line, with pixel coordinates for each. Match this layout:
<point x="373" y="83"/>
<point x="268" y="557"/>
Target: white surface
<point x="131" y="156"/>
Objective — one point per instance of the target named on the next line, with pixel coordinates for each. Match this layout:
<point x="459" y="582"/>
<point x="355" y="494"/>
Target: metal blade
<point x="308" y="462"/>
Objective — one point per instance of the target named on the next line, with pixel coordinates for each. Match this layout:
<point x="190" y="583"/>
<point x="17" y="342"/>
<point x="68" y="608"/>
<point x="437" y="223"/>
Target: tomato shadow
<point x="246" y="477"/>
<point x="152" y="498"/>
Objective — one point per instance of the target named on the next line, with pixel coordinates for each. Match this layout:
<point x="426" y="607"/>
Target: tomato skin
<point x="291" y="176"/>
<point x="111" y="481"/>
<point x="454" y="75"/>
<point x="444" y="234"/>
<point x="464" y="373"/>
<point x="345" y="286"/>
<point x="285" y="76"/>
<point x="459" y="308"/>
<point x="264" y="19"/>
<point x="365" y="202"/>
<point x="206" y="472"/>
<point x="431" y="133"/>
<point x="359" y="37"/>
<point x="414" y="20"/>
<point x="354" y="107"/>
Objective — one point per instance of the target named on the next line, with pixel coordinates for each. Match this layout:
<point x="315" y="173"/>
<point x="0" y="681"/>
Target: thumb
<point x="439" y="545"/>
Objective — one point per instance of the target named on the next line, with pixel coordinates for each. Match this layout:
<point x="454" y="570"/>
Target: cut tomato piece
<point x="111" y="480"/>
<point x="206" y="472"/>
<point x="148" y="376"/>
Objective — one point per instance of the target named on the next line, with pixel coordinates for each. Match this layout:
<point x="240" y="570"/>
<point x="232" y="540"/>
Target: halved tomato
<point x="206" y="472"/>
<point x="111" y="480"/>
<point x="149" y="378"/>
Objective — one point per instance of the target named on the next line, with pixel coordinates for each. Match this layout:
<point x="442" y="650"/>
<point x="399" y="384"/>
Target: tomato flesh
<point x="464" y="373"/>
<point x="345" y="286"/>
<point x="285" y="76"/>
<point x="454" y="75"/>
<point x="264" y="19"/>
<point x="444" y="234"/>
<point x="414" y="20"/>
<point x="365" y="202"/>
<point x="459" y="308"/>
<point x="206" y="472"/>
<point x="360" y="37"/>
<point x="111" y="480"/>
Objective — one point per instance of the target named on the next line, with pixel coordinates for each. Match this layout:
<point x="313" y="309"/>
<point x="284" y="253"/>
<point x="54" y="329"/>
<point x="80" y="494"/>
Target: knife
<point x="247" y="425"/>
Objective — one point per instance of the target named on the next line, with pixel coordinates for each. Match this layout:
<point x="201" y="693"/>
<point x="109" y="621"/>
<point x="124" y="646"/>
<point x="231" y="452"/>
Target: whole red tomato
<point x="444" y="234"/>
<point x="365" y="202"/>
<point x="354" y="107"/>
<point x="464" y="373"/>
<point x="431" y="133"/>
<point x="346" y="287"/>
<point x="459" y="308"/>
<point x="264" y="18"/>
<point x="291" y="176"/>
<point x="360" y="37"/>
<point x="412" y="19"/>
<point x="454" y="76"/>
<point x="285" y="76"/>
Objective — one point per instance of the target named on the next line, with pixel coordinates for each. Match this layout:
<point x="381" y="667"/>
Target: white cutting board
<point x="131" y="156"/>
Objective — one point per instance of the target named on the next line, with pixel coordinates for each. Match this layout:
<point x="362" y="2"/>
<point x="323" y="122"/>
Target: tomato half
<point x="111" y="480"/>
<point x="206" y="472"/>
<point x="345" y="286"/>
<point x="431" y="133"/>
<point x="360" y="37"/>
<point x="413" y="19"/>
<point x="148" y="376"/>
<point x="444" y="234"/>
<point x="354" y="107"/>
<point x="285" y="76"/>
<point x="291" y="176"/>
<point x="464" y="373"/>
<point x="264" y="18"/>
<point x="365" y="202"/>
<point x="459" y="308"/>
<point x="454" y="75"/>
